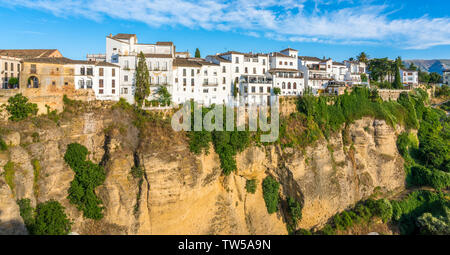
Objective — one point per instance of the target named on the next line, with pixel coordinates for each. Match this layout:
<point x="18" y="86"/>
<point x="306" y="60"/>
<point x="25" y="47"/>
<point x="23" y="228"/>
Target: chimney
<point x="110" y="35"/>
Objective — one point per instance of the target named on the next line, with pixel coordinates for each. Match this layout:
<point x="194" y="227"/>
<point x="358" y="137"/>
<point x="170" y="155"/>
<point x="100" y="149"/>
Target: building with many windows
<point x="409" y="77"/>
<point x="446" y="76"/>
<point x="9" y="68"/>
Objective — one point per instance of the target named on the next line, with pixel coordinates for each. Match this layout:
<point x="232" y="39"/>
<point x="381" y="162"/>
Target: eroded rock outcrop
<point x="183" y="193"/>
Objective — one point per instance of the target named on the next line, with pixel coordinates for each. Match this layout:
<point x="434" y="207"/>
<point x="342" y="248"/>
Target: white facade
<point x="9" y="67"/>
<point x="446" y="77"/>
<point x="409" y="77"/>
<point x="285" y="73"/>
<point x="355" y="70"/>
<point x="317" y="72"/>
<point x="101" y="77"/>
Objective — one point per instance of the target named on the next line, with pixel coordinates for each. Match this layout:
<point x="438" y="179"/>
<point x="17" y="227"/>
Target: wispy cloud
<point x="349" y="21"/>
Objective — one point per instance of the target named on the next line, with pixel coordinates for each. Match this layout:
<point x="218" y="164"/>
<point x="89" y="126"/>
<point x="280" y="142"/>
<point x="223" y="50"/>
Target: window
<point x="246" y="89"/>
<point x="285" y="63"/>
<point x="281" y="63"/>
<point x="113" y="72"/>
<point x="53" y="83"/>
<point x="246" y="70"/>
<point x="100" y="83"/>
<point x="176" y="80"/>
<point x="184" y="81"/>
<point x="224" y="69"/>
<point x="237" y="60"/>
<point x="261" y="89"/>
<point x="268" y="89"/>
<point x="192" y="72"/>
<point x="289" y="85"/>
<point x="264" y="70"/>
<point x="264" y="61"/>
<point x="237" y="69"/>
<point x="82" y="71"/>
<point x="81" y="84"/>
<point x="253" y="89"/>
<point x="89" y="71"/>
<point x="295" y="85"/>
<point x="12" y="66"/>
<point x="205" y="72"/>
<point x="283" y="85"/>
<point x="66" y="83"/>
<point x="113" y="83"/>
<point x="33" y="68"/>
<point x="125" y="78"/>
<point x="101" y="72"/>
<point x="125" y="91"/>
<point x="291" y="63"/>
<point x="18" y="67"/>
<point x="205" y="90"/>
<point x="192" y="82"/>
<point x="254" y="70"/>
<point x="100" y="91"/>
<point x="113" y="91"/>
<point x="184" y="72"/>
<point x="6" y="66"/>
<point x="224" y="80"/>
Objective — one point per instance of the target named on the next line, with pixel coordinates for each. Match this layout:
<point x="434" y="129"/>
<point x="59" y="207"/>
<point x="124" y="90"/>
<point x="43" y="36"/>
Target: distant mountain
<point x="435" y="65"/>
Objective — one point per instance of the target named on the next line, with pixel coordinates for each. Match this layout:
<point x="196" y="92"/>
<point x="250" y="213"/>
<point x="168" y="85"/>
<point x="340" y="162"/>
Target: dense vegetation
<point x="270" y="192"/>
<point x="87" y="176"/>
<point x="48" y="218"/>
<point x="250" y="186"/>
<point x="19" y="108"/>
<point x="226" y="143"/>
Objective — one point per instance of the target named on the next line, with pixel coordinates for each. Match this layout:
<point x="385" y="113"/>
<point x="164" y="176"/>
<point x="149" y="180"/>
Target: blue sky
<point x="413" y="29"/>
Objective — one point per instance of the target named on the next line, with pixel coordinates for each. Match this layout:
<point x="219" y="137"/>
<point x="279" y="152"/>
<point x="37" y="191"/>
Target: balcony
<point x="210" y="83"/>
<point x="257" y="81"/>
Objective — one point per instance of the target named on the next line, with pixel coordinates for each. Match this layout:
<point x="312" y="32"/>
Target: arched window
<point x="289" y="85"/>
<point x="33" y="82"/>
<point x="283" y="85"/>
<point x="295" y="85"/>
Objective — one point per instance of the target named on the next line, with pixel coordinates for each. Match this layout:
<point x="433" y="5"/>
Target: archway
<point x="33" y="82"/>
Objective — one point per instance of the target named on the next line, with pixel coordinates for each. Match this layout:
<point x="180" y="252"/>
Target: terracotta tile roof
<point x="219" y="58"/>
<point x="309" y="58"/>
<point x="124" y="36"/>
<point x="278" y="54"/>
<point x="67" y="61"/>
<point x="338" y="64"/>
<point x="185" y="62"/>
<point x="31" y="53"/>
<point x="155" y="55"/>
<point x="164" y="43"/>
<point x="289" y="49"/>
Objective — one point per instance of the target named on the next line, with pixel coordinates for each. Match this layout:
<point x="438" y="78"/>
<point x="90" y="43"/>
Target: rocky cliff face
<point x="182" y="193"/>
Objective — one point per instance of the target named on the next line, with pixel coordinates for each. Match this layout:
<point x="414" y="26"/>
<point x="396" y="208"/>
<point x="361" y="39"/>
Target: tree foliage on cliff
<point x="142" y="80"/>
<point x="87" y="177"/>
<point x="270" y="192"/>
<point x="48" y="218"/>
<point x="19" y="108"/>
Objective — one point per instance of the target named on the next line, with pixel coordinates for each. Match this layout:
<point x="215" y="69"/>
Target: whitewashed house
<point x="409" y="77"/>
<point x="285" y="73"/>
<point x="355" y="70"/>
<point x="446" y="76"/>
<point x="101" y="77"/>
<point x="317" y="73"/>
<point x="9" y="68"/>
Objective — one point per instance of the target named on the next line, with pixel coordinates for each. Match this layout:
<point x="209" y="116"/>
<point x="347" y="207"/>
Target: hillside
<point x="434" y="65"/>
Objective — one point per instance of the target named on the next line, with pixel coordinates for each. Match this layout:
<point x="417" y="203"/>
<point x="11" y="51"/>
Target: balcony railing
<point x="257" y="81"/>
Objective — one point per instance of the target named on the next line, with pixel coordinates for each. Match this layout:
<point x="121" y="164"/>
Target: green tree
<point x="50" y="219"/>
<point x="13" y="82"/>
<point x="164" y="96"/>
<point x="19" y="108"/>
<point x="295" y="210"/>
<point x="435" y="77"/>
<point x="412" y="67"/>
<point x="270" y="192"/>
<point x="363" y="57"/>
<point x="250" y="186"/>
<point x="397" y="81"/>
<point x="197" y="53"/>
<point x="424" y="76"/>
<point x="277" y="91"/>
<point x="142" y="80"/>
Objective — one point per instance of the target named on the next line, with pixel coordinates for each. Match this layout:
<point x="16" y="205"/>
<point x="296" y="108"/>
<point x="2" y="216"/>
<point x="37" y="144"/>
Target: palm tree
<point x="363" y="57"/>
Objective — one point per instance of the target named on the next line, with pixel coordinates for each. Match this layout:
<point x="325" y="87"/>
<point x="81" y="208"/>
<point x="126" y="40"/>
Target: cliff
<point x="182" y="193"/>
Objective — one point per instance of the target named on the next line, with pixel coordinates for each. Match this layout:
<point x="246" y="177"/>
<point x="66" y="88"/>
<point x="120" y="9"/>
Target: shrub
<point x="270" y="192"/>
<point x="51" y="219"/>
<point x="36" y="171"/>
<point x="87" y="177"/>
<point x="250" y="186"/>
<point x="137" y="172"/>
<point x="303" y="232"/>
<point x="19" y="108"/>
<point x="422" y="176"/>
<point x="295" y="210"/>
<point x="10" y="171"/>
<point x="27" y="213"/>
<point x="381" y="208"/>
<point x="3" y="145"/>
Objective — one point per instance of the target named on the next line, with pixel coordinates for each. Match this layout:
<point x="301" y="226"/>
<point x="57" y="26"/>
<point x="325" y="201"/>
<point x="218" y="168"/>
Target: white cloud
<point x="360" y="22"/>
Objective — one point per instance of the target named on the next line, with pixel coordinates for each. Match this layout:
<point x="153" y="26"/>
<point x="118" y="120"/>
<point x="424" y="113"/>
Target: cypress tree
<point x="142" y="81"/>
<point x="197" y="53"/>
<point x="397" y="82"/>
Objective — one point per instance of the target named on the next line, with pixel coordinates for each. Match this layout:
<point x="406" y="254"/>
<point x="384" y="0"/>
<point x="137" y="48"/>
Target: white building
<point x="446" y="76"/>
<point x="101" y="77"/>
<point x="205" y="82"/>
<point x="317" y="73"/>
<point x="409" y="77"/>
<point x="355" y="70"/>
<point x="123" y="49"/>
<point x="9" y="68"/>
<point x="285" y="72"/>
<point x="339" y="70"/>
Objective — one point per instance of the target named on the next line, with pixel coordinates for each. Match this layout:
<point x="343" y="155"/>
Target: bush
<point x="27" y="213"/>
<point x="10" y="172"/>
<point x="51" y="219"/>
<point x="137" y="172"/>
<point x="19" y="108"/>
<point x="381" y="208"/>
<point x="295" y="210"/>
<point x="422" y="176"/>
<point x="270" y="192"/>
<point x="250" y="186"/>
<point x="303" y="232"/>
<point x="3" y="145"/>
<point x="87" y="177"/>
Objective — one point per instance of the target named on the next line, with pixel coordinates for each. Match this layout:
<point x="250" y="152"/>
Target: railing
<point x="257" y="81"/>
<point x="210" y="83"/>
